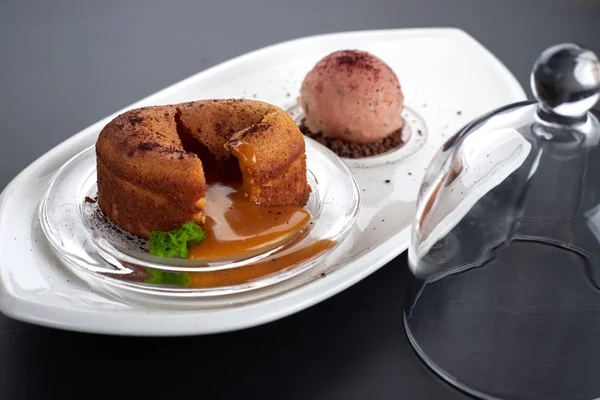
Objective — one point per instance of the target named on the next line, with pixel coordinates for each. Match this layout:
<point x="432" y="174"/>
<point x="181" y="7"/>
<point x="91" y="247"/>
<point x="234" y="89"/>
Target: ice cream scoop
<point x="353" y="96"/>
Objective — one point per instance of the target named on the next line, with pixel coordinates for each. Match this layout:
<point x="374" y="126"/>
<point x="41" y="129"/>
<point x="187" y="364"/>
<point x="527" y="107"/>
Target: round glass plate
<point x="89" y="243"/>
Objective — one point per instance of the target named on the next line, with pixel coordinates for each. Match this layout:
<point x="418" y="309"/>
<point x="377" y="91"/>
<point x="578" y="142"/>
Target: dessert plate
<point x="96" y="249"/>
<point x="448" y="78"/>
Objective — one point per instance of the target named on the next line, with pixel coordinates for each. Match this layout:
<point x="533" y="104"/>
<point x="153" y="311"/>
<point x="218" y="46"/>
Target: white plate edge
<point x="11" y="306"/>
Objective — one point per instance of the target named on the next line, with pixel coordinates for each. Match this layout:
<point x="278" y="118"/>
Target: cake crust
<point x="151" y="175"/>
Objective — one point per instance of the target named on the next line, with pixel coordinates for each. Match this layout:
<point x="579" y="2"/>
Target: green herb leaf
<point x="176" y="242"/>
<point x="167" y="278"/>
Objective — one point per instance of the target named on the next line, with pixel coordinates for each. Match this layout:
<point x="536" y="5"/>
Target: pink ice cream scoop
<point x="353" y="96"/>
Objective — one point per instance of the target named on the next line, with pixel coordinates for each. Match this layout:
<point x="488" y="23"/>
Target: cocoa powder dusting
<point x="355" y="59"/>
<point x="218" y="127"/>
<point x="147" y="146"/>
<point x="134" y="119"/>
<point x="356" y="150"/>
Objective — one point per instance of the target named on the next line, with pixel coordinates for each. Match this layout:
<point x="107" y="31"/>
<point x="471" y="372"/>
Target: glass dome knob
<point x="566" y="80"/>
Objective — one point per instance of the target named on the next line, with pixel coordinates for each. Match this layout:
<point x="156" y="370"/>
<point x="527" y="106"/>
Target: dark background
<point x="67" y="64"/>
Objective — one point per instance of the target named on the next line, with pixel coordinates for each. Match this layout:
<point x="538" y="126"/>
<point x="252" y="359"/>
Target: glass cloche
<point x="506" y="244"/>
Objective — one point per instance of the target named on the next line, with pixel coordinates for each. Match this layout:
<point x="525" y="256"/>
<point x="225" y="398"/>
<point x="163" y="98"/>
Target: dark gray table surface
<point x="66" y="64"/>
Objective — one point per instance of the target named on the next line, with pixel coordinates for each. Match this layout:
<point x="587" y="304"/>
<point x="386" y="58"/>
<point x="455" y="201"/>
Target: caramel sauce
<point x="244" y="152"/>
<point x="246" y="158"/>
<point x="244" y="274"/>
<point x="237" y="227"/>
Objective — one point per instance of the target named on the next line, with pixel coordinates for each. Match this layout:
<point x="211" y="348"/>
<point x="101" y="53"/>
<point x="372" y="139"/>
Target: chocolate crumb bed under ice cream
<point x="356" y="150"/>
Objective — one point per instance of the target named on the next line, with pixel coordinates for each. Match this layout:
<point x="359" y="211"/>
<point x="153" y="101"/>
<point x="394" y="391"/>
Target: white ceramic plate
<point x="448" y="79"/>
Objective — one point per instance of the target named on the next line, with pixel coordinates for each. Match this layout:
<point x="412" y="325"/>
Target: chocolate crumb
<point x="419" y="132"/>
<point x="278" y="212"/>
<point x="355" y="150"/>
<point x="410" y="173"/>
<point x="387" y="181"/>
<point x="88" y="199"/>
<point x="322" y="274"/>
